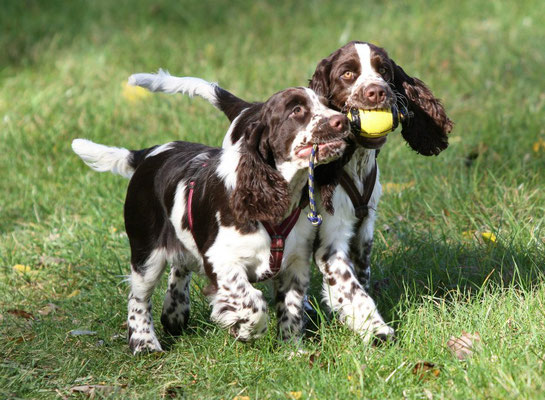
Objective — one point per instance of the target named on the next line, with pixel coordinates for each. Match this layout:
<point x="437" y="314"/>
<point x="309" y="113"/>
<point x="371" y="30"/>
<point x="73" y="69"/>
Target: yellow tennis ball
<point x="374" y="123"/>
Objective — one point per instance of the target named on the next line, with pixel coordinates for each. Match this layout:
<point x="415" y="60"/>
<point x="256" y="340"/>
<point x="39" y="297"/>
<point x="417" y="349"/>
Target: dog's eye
<point x="382" y="71"/>
<point x="348" y="75"/>
<point x="297" y="110"/>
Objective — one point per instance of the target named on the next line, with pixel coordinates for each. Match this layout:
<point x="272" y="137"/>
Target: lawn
<point x="460" y="240"/>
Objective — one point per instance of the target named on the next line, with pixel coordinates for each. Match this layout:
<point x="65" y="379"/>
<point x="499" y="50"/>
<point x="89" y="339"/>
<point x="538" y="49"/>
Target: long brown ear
<point x="261" y="193"/>
<point x="426" y="132"/>
<point x="320" y="81"/>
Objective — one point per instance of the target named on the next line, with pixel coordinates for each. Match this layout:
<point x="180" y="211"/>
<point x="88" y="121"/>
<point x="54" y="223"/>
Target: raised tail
<point x="220" y="98"/>
<point x="116" y="160"/>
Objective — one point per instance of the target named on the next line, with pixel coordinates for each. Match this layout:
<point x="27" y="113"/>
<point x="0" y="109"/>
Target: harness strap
<point x="278" y="235"/>
<point x="190" y="202"/>
<point x="189" y="206"/>
<point x="360" y="201"/>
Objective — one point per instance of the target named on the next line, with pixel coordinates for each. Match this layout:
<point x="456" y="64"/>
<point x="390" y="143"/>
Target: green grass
<point x="62" y="67"/>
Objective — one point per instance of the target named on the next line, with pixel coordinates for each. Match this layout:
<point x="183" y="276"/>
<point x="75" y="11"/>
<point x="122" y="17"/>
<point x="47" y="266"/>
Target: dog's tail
<point x="220" y="98"/>
<point x="116" y="160"/>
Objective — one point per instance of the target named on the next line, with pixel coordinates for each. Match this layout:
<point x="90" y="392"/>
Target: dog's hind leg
<point x="144" y="278"/>
<point x="177" y="304"/>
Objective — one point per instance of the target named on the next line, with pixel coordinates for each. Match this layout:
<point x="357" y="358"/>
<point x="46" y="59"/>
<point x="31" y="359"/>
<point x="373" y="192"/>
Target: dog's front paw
<point x="143" y="342"/>
<point x="174" y="324"/>
<point x="376" y="331"/>
<point x="247" y="329"/>
<point x="383" y="334"/>
<point x="245" y="320"/>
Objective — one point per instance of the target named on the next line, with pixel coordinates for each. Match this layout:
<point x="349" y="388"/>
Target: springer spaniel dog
<point x="206" y="210"/>
<point x="359" y="75"/>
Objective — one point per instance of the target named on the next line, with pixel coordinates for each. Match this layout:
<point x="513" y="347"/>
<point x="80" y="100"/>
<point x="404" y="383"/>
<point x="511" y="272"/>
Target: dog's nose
<point x="375" y="94"/>
<point x="339" y="123"/>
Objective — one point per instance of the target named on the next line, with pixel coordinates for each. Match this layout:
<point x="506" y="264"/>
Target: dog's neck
<point x="297" y="179"/>
<point x="360" y="165"/>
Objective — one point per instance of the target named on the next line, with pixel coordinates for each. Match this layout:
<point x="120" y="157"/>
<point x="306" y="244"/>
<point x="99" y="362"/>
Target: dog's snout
<point x="338" y="123"/>
<point x="375" y="93"/>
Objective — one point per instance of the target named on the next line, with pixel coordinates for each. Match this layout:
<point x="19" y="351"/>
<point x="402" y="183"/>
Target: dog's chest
<point x="231" y="248"/>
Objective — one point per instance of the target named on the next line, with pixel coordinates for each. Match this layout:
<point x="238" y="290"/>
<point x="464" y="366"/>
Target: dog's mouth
<point x="326" y="150"/>
<point x="370" y="126"/>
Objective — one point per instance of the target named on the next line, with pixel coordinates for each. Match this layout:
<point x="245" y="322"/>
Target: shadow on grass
<point x="421" y="266"/>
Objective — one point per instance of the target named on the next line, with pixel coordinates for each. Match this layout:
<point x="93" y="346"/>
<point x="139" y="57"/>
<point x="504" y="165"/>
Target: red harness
<point x="190" y="206"/>
<point x="277" y="233"/>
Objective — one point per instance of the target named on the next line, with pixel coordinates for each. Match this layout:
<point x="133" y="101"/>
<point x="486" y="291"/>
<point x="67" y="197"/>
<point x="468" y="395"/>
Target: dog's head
<point x="362" y="75"/>
<point x="276" y="144"/>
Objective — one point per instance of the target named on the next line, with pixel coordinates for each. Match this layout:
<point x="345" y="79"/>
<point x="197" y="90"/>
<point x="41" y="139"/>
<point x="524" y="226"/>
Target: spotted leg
<point x="290" y="289"/>
<point x="343" y="293"/>
<point x="176" y="307"/>
<point x="237" y="305"/>
<point x="361" y="245"/>
<point x="143" y="279"/>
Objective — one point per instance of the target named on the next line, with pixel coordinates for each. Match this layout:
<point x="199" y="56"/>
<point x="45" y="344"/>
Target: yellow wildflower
<point x="391" y="187"/>
<point x="488" y="237"/>
<point x="540" y="144"/>
<point x="22" y="269"/>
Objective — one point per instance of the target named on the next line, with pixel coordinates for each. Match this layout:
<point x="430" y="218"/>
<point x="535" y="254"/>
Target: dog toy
<point x="376" y="123"/>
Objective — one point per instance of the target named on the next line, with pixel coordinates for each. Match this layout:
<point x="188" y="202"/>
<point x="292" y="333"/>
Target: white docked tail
<point x="104" y="158"/>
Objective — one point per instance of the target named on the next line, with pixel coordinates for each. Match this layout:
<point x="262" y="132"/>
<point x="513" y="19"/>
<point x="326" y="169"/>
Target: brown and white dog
<point x="358" y="75"/>
<point x="203" y="209"/>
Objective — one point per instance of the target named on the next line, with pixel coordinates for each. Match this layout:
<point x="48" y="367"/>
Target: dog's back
<point x="152" y="190"/>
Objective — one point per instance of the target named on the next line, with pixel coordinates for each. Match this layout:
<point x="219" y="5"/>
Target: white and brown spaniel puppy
<point x="358" y="75"/>
<point x="204" y="209"/>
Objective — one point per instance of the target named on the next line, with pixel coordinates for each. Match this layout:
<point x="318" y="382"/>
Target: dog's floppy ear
<point x="426" y="131"/>
<point x="260" y="193"/>
<point x="320" y="81"/>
